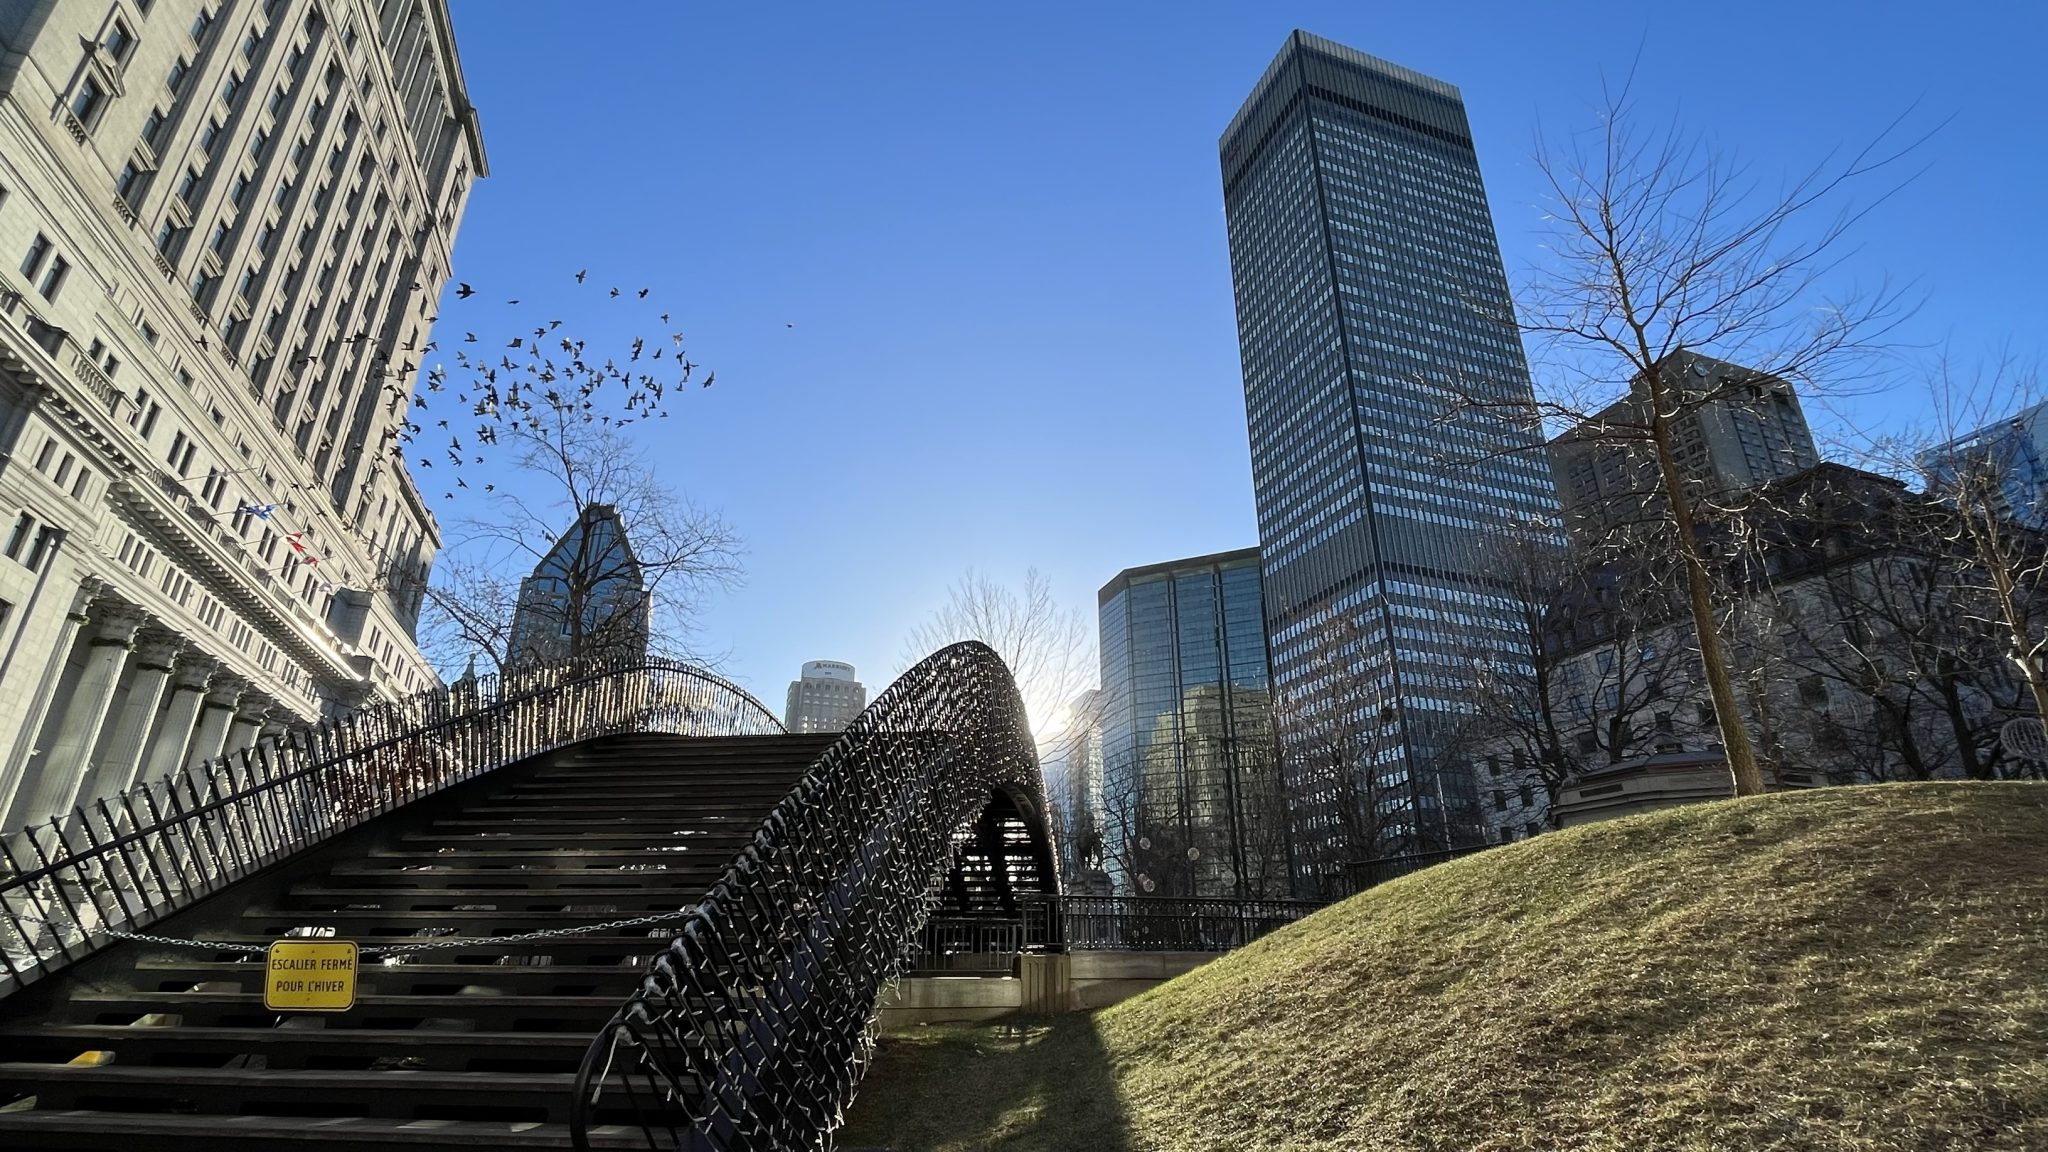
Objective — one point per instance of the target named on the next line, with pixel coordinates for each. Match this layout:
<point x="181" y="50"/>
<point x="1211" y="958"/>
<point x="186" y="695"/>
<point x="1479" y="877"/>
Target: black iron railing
<point x="752" y="1031"/>
<point x="119" y="863"/>
<point x="1169" y="924"/>
<point x="1359" y="875"/>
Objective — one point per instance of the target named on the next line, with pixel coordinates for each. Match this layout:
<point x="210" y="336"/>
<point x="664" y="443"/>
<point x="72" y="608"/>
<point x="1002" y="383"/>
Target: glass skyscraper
<point x="1189" y="803"/>
<point x="1389" y="408"/>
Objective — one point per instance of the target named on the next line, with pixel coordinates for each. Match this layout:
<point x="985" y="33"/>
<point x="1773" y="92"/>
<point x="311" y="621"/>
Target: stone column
<point x="13" y="772"/>
<point x="62" y="769"/>
<point x="211" y="736"/>
<point x="120" y="763"/>
<point x="173" y="733"/>
<point x="243" y="729"/>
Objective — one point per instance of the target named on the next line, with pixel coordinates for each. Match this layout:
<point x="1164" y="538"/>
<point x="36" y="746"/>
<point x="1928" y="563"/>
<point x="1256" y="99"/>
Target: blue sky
<point x="998" y="233"/>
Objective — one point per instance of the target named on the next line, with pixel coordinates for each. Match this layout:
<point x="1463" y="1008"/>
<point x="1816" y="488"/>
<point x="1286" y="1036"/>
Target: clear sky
<point x="998" y="232"/>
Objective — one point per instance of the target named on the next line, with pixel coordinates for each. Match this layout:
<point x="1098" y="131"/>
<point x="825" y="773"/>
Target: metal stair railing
<point x="752" y="1030"/>
<point x="116" y="864"/>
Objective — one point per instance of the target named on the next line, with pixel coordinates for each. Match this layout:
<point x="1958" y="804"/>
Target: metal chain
<point x="425" y="945"/>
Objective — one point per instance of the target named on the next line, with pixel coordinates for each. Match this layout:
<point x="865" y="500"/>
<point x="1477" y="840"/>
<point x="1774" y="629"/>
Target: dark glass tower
<point x="1189" y="802"/>
<point x="1388" y="404"/>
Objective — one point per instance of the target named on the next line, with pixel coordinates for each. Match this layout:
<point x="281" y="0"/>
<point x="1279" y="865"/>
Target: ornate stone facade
<point x="223" y="227"/>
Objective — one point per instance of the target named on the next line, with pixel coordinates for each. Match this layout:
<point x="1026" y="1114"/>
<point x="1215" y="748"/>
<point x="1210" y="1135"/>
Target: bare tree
<point x="1660" y="246"/>
<point x="1601" y="663"/>
<point x="1984" y="468"/>
<point x="600" y="598"/>
<point x="1045" y="645"/>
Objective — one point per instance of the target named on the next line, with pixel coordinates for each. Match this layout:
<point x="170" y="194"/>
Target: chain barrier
<point x="425" y="944"/>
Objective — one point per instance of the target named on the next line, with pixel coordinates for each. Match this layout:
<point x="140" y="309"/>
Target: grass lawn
<point x="1848" y="970"/>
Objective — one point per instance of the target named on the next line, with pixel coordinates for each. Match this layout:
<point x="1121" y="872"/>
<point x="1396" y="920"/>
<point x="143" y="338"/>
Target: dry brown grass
<point x="1848" y="970"/>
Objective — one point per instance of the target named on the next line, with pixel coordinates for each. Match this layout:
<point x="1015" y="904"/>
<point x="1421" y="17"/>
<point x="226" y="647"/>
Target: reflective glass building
<point x="1189" y="801"/>
<point x="1387" y="400"/>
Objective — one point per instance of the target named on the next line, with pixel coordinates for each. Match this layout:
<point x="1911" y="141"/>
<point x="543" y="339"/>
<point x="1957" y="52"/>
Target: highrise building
<point x="586" y="599"/>
<point x="1389" y="410"/>
<point x="1737" y="430"/>
<point x="1188" y="800"/>
<point x="824" y="698"/>
<point x="2008" y="458"/>
<point x="224" y="226"/>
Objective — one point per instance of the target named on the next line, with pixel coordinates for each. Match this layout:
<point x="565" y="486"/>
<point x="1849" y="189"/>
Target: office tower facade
<point x="224" y="224"/>
<point x="1737" y="430"/>
<point x="1072" y="764"/>
<point x="824" y="698"/>
<point x="586" y="599"/>
<point x="1188" y="800"/>
<point x="1390" y="416"/>
<point x="2008" y="458"/>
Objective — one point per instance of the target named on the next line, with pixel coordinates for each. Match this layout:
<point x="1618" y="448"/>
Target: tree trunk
<point x="1749" y="781"/>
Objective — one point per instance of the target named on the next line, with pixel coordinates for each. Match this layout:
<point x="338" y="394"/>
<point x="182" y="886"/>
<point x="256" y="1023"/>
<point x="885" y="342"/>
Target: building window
<point x="188" y="186"/>
<point x="38" y="251"/>
<point x="251" y="44"/>
<point x="210" y="137"/>
<point x="200" y="24"/>
<point x="1588" y="744"/>
<point x="218" y="242"/>
<point x="153" y="129"/>
<point x="53" y="280"/>
<point x="258" y="143"/>
<point x="24" y="530"/>
<point x="176" y="80"/>
<point x="129" y="182"/>
<point x="86" y="104"/>
<point x="231" y="89"/>
<point x="166" y="236"/>
<point x="119" y="42"/>
<point x="1704" y="713"/>
<point x="47" y="539"/>
<point x="202" y="285"/>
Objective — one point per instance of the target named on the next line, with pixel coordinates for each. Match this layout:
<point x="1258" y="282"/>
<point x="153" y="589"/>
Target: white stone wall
<point x="156" y="390"/>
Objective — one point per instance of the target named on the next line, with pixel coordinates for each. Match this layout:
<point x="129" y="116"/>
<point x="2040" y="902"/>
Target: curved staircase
<point x="470" y="1046"/>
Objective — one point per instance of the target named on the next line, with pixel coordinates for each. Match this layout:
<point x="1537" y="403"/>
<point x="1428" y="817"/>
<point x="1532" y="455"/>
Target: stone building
<point x="223" y="227"/>
<point x="1736" y="429"/>
<point x="1856" y="637"/>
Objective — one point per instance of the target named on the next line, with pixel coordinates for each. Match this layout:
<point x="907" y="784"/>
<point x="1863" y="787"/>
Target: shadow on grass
<point x="1024" y="1084"/>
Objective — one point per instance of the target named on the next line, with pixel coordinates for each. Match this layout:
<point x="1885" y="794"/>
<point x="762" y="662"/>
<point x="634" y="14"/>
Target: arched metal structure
<point x="121" y="863"/>
<point x="752" y="1031"/>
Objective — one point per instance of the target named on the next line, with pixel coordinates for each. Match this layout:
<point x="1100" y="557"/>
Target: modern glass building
<point x="587" y="598"/>
<point x="2009" y="457"/>
<point x="1189" y="803"/>
<point x="1389" y="409"/>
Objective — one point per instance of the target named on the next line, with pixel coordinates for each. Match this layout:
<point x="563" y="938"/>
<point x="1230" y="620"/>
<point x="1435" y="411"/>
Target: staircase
<point x="149" y="1047"/>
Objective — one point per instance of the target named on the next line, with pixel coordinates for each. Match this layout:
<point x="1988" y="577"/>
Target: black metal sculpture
<point x="753" y="1030"/>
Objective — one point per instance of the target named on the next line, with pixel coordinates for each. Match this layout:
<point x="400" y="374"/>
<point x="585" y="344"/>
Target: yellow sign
<point x="310" y="976"/>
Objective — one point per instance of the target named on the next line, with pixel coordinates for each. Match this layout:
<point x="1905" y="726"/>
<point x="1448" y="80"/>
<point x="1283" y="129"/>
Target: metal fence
<point x="119" y="863"/>
<point x="1362" y="874"/>
<point x="1169" y="924"/>
<point x="752" y="1031"/>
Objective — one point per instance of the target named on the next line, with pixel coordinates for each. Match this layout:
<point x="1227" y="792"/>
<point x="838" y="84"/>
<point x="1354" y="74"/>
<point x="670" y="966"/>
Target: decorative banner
<point x="310" y="976"/>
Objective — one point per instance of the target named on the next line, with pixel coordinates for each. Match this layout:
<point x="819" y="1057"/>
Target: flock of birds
<point x="537" y="380"/>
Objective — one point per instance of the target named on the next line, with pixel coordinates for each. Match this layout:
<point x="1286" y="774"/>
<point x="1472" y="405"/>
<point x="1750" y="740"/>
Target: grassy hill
<point x="1853" y="969"/>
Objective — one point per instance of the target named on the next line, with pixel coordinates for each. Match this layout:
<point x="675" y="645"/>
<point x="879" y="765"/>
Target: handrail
<point x="752" y="1030"/>
<point x="119" y="863"/>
